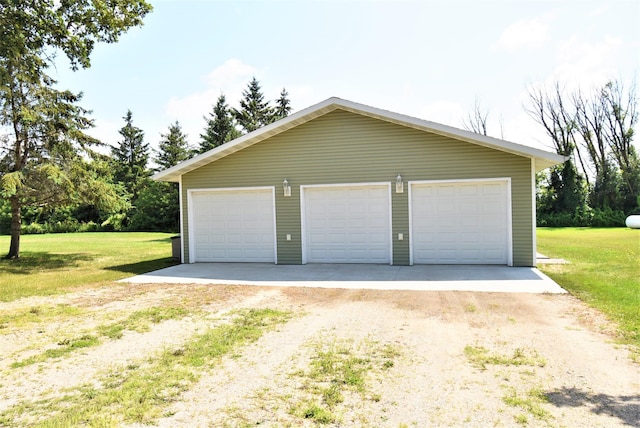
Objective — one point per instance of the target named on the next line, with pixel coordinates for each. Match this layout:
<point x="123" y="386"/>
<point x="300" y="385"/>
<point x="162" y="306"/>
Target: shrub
<point x="67" y="226"/>
<point x="586" y="217"/>
<point x="33" y="229"/>
<point x="89" y="227"/>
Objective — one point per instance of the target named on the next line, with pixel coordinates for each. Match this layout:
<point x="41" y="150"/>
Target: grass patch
<point x="604" y="271"/>
<point x="36" y="314"/>
<point x="66" y="346"/>
<point x="47" y="261"/>
<point x="480" y="357"/>
<point x="140" y="394"/>
<point x="470" y="307"/>
<point x="139" y="321"/>
<point x="531" y="403"/>
<point x="337" y="370"/>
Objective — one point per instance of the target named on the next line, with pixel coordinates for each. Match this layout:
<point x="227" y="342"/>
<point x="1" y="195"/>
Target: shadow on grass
<point x="145" y="266"/>
<point x="30" y="262"/>
<point x="625" y="407"/>
<point x="165" y="240"/>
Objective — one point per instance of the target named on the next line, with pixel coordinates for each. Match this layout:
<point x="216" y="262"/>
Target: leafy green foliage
<point x="596" y="134"/>
<point x="586" y="217"/>
<point x="29" y="29"/>
<point x="563" y="190"/>
<point x="40" y="161"/>
<point x="157" y="209"/>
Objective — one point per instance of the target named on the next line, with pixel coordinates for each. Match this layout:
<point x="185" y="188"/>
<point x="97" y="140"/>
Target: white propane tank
<point x="633" y="221"/>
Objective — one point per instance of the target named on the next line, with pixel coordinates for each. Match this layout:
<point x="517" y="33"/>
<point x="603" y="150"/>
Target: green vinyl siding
<point x="344" y="147"/>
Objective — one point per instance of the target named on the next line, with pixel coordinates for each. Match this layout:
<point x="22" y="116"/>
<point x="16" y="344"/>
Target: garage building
<point x="342" y="182"/>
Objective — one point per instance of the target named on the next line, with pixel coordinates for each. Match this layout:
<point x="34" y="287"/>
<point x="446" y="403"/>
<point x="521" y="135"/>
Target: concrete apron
<point x="502" y="279"/>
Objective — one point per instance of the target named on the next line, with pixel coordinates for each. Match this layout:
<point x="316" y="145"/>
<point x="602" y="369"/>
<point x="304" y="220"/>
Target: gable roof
<point x="543" y="159"/>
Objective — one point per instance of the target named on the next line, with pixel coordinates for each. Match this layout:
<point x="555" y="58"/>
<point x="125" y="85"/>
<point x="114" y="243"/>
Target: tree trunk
<point x="16" y="225"/>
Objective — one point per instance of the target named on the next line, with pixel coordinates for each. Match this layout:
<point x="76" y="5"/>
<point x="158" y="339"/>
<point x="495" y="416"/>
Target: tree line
<point x="599" y="184"/>
<point x="141" y="204"/>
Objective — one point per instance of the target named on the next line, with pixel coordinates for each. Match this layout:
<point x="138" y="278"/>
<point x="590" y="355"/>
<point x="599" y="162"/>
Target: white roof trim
<point x="543" y="159"/>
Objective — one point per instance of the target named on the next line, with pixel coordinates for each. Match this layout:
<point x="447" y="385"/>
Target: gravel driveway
<point x="421" y="358"/>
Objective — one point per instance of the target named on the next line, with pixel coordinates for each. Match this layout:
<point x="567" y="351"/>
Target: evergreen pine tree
<point x="254" y="111"/>
<point x="157" y="207"/>
<point x="173" y="146"/>
<point x="131" y="157"/>
<point x="283" y="106"/>
<point x="220" y="127"/>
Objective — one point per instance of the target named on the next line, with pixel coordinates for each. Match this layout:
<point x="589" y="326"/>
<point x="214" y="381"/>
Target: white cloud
<point x="584" y="64"/>
<point x="525" y="34"/>
<point x="229" y="79"/>
<point x="600" y="10"/>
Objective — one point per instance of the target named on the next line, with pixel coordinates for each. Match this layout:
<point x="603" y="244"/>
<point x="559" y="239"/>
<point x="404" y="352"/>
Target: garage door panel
<point x="233" y="226"/>
<point x="347" y="224"/>
<point x="460" y="223"/>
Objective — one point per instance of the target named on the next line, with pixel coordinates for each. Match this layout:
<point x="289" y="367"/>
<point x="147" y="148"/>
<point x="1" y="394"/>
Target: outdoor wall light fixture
<point x="399" y="184"/>
<point x="286" y="188"/>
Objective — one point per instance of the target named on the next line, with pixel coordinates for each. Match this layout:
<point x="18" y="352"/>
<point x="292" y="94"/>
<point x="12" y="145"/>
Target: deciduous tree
<point x="43" y="128"/>
<point x="621" y="120"/>
<point x="549" y="109"/>
<point x="476" y="121"/>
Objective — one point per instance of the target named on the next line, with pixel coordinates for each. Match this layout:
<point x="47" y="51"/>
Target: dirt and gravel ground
<point x="544" y="360"/>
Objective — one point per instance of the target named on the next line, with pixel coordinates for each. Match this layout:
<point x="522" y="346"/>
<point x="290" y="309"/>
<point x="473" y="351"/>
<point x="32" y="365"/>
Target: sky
<point x="428" y="59"/>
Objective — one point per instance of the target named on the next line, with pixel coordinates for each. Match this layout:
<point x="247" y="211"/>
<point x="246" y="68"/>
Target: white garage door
<point x="460" y="222"/>
<point x="233" y="226"/>
<point x="347" y="224"/>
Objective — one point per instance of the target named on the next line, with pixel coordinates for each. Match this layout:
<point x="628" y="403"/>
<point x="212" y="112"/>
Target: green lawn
<point x="604" y="270"/>
<point x="56" y="263"/>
